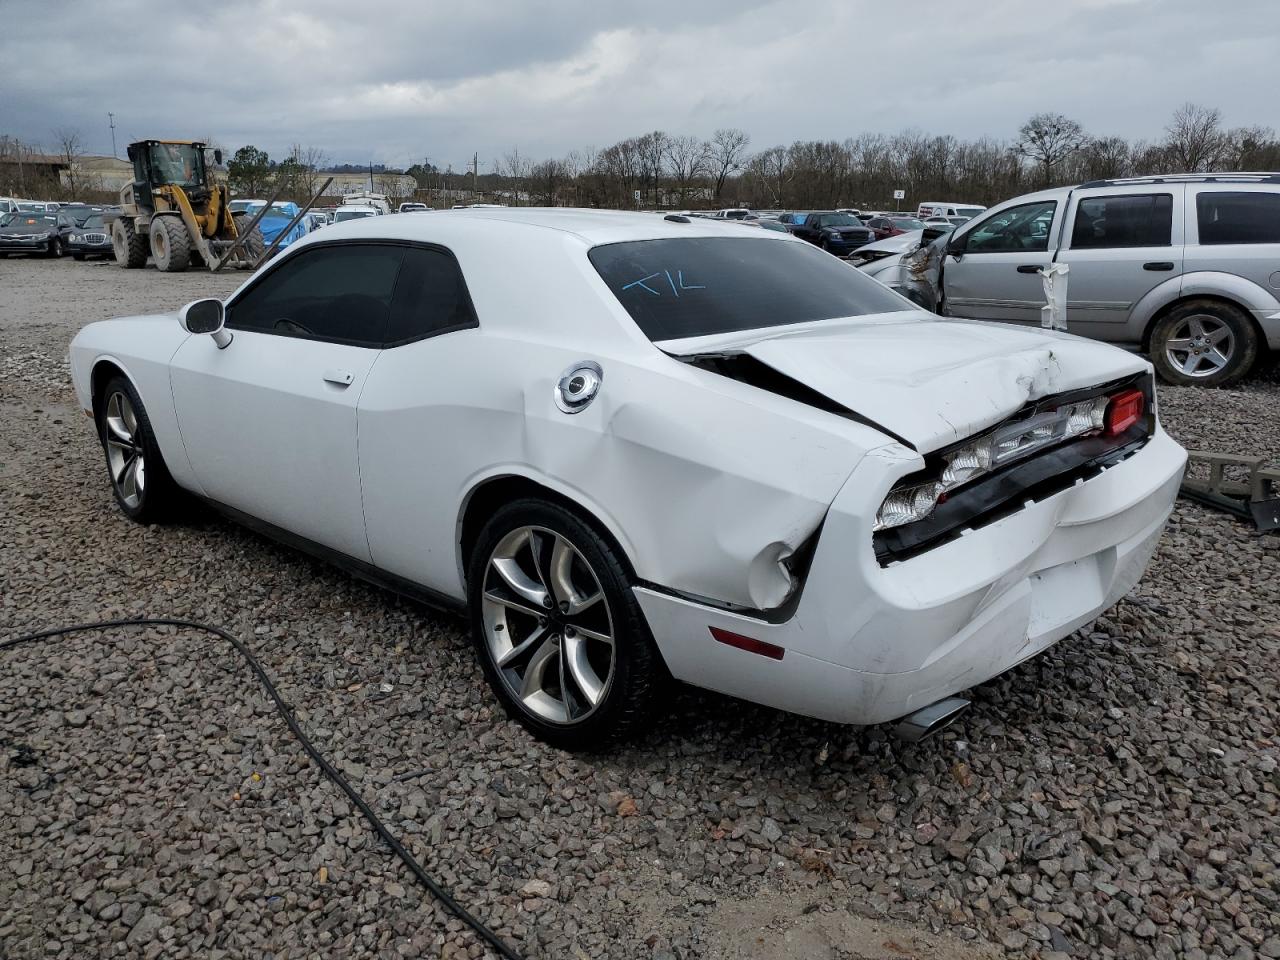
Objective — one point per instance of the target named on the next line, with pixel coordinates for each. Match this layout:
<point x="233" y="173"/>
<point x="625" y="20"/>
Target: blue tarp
<point x="276" y="219"/>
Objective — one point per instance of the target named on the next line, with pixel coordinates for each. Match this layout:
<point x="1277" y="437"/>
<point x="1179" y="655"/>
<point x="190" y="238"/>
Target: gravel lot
<point x="1116" y="797"/>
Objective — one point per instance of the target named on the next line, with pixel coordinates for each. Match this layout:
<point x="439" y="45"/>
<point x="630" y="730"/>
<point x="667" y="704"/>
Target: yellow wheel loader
<point x="176" y="214"/>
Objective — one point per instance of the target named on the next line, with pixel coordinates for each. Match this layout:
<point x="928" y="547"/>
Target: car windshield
<point x="27" y="222"/>
<point x="82" y="218"/>
<point x="698" y="286"/>
<point x="92" y="222"/>
<point x="351" y="215"/>
<point x="908" y="223"/>
<point x="968" y="212"/>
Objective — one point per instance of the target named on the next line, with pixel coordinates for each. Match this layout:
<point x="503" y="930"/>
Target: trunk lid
<point x="932" y="382"/>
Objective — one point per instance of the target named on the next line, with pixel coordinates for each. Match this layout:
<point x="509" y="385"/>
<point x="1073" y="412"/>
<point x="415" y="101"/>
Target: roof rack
<point x="1226" y="177"/>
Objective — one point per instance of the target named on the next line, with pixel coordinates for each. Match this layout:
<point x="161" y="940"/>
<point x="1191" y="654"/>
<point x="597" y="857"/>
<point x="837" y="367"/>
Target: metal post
<point x="292" y="223"/>
<point x="240" y="238"/>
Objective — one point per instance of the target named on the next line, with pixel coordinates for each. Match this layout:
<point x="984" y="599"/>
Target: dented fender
<point x="708" y="485"/>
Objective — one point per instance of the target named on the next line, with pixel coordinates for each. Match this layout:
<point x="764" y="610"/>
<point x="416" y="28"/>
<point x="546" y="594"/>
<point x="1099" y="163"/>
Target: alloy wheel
<point x="125" y="456"/>
<point x="1201" y="346"/>
<point x="548" y="625"/>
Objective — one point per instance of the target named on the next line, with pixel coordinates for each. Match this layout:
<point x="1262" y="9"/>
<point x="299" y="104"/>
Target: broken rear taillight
<point x="1124" y="410"/>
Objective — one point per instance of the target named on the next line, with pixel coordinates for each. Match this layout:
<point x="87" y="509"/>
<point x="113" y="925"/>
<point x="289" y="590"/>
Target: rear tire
<point x="139" y="479"/>
<point x="170" y="244"/>
<point x="256" y="245"/>
<point x="129" y="246"/>
<point x="1204" y="343"/>
<point x="579" y="679"/>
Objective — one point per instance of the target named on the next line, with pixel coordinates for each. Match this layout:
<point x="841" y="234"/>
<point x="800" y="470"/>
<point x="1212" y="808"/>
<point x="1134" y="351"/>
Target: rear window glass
<point x="1238" y="217"/>
<point x="698" y="286"/>
<point x="1145" y="220"/>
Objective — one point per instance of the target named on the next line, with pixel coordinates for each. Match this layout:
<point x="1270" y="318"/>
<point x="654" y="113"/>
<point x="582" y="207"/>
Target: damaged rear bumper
<point x="868" y="644"/>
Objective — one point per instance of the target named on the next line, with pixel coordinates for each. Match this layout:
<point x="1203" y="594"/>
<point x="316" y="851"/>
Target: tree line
<point x="661" y="170"/>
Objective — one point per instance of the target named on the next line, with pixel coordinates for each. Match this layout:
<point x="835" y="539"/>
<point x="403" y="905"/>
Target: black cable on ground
<point x="330" y="771"/>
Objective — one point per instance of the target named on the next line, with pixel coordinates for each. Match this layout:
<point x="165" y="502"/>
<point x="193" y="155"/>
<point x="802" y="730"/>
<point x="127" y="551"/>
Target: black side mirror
<point x="956" y="245"/>
<point x="217" y="157"/>
<point x="206" y="317"/>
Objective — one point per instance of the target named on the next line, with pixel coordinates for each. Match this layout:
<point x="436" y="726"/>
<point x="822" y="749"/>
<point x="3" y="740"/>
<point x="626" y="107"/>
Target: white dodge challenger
<point x="632" y="446"/>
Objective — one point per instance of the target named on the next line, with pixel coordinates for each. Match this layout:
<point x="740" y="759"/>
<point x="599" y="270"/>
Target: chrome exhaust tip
<point x="927" y="721"/>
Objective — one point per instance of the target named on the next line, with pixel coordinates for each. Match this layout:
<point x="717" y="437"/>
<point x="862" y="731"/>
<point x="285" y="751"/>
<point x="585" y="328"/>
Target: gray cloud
<point x="393" y="82"/>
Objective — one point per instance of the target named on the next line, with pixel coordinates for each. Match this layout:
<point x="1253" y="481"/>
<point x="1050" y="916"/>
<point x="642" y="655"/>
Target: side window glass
<point x="1238" y="217"/>
<point x="1139" y="221"/>
<point x="1021" y="229"/>
<point x="430" y="297"/>
<point x="340" y="293"/>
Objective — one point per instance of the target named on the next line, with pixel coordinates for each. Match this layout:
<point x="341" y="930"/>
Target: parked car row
<point x="75" y="228"/>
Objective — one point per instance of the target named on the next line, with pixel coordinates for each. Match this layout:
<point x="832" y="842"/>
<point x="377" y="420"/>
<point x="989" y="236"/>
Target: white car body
<point x="354" y="211"/>
<point x="709" y="484"/>
<point x="948" y="209"/>
<point x="377" y="201"/>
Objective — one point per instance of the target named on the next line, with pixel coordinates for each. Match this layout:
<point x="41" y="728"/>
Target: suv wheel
<point x="1203" y="343"/>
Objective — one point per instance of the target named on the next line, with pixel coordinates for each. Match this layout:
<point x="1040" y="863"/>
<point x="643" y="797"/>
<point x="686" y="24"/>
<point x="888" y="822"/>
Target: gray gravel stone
<point x="1117" y="794"/>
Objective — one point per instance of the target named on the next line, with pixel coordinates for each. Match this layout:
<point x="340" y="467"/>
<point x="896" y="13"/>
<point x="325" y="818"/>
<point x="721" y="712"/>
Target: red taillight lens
<point x="1124" y="410"/>
<point x="749" y="644"/>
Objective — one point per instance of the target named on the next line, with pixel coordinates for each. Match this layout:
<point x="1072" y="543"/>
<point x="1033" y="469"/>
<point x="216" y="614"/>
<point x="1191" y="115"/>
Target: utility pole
<point x="371" y="176"/>
<point x="475" y="174"/>
<point x="111" y="119"/>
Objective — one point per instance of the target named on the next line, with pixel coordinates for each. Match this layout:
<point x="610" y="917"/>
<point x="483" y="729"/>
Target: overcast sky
<point x="392" y="82"/>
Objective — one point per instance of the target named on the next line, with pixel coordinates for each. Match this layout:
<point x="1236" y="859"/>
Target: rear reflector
<point x="1124" y="411"/>
<point x="772" y="651"/>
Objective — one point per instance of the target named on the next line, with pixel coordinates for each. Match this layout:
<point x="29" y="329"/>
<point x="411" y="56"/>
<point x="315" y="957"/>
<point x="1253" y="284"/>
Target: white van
<point x="376" y="200"/>
<point x="942" y="208"/>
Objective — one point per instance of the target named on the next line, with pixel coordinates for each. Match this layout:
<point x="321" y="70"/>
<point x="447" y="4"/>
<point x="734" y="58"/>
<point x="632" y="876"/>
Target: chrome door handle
<point x="340" y="377"/>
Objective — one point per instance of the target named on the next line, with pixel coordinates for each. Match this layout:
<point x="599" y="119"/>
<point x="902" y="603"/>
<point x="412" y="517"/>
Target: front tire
<point x="558" y="631"/>
<point x="1204" y="343"/>
<point x="170" y="244"/>
<point x="55" y="249"/>
<point x="78" y="256"/>
<point x="253" y="248"/>
<point x="142" y="485"/>
<point x="129" y="246"/>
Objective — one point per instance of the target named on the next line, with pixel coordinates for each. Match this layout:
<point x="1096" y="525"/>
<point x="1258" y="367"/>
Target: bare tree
<point x="1254" y="148"/>
<point x="546" y="180"/>
<point x="652" y="151"/>
<point x="726" y="153"/>
<point x="515" y="168"/>
<point x="1104" y="158"/>
<point x="70" y="150"/>
<point x="309" y="162"/>
<point x="1195" y="139"/>
<point x="687" y="157"/>
<point x="1047" y="139"/>
<point x="772" y="169"/>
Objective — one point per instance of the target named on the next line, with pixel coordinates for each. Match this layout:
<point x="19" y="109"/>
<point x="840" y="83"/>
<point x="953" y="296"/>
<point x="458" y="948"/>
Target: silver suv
<point x="1186" y="267"/>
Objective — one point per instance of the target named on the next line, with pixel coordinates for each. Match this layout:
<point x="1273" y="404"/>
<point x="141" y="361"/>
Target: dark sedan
<point x="30" y="233"/>
<point x="837" y="233"/>
<point x="88" y="236"/>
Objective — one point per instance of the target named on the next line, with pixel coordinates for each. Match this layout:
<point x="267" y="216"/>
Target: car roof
<point x="591" y="227"/>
